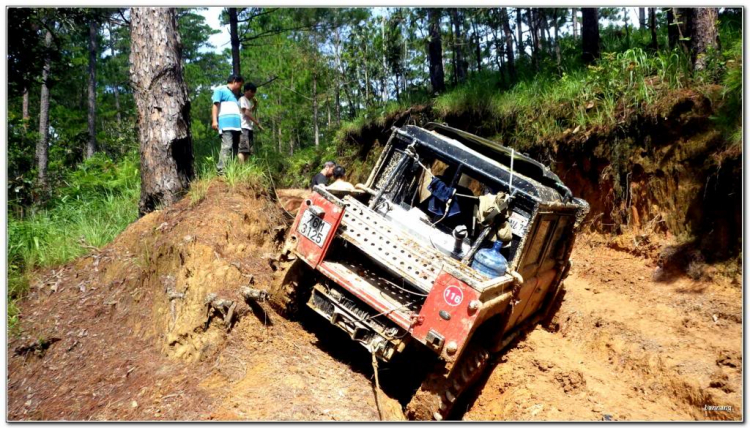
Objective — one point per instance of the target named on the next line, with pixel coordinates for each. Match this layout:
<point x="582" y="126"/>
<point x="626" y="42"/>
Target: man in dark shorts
<point x="324" y="174"/>
<point x="248" y="107"/>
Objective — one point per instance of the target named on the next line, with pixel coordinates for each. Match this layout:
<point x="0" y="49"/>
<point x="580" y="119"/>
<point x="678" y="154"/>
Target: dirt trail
<point x="127" y="339"/>
<point x="624" y="347"/>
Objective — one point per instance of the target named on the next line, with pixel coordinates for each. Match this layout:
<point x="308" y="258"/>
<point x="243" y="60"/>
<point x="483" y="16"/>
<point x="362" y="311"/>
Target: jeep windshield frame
<point x="522" y="164"/>
<point x="456" y="152"/>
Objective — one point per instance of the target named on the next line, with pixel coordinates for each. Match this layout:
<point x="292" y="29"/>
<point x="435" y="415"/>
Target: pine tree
<point x="163" y="106"/>
<point x="590" y="34"/>
<point x="435" y="51"/>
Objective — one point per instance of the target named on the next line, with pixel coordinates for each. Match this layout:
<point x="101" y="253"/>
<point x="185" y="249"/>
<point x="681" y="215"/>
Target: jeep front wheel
<point x="286" y="288"/>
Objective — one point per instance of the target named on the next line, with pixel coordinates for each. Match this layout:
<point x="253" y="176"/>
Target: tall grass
<point x="549" y="104"/>
<point x="98" y="200"/>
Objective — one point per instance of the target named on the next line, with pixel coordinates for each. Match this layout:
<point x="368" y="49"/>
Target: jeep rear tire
<point x="435" y="399"/>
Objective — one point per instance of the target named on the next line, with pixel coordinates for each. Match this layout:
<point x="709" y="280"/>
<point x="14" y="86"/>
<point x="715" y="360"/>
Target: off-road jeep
<point x="391" y="262"/>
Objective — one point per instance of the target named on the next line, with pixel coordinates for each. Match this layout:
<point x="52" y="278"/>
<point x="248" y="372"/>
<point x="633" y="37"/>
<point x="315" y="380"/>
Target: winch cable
<point x="404" y="289"/>
<point x="377" y="384"/>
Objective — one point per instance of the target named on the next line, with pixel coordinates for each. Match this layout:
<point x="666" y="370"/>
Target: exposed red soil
<point x="625" y="347"/>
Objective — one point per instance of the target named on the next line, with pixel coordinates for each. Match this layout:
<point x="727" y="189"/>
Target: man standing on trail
<point x="225" y="114"/>
<point x="322" y="176"/>
<point x="248" y="119"/>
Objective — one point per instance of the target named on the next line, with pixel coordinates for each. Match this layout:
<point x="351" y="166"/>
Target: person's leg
<point x="251" y="142"/>
<point x="244" y="149"/>
<point x="235" y="142"/>
<point x="225" y="151"/>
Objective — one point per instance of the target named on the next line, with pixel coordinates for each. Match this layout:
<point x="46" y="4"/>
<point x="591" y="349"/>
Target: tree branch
<point x="250" y="18"/>
<point x="122" y="15"/>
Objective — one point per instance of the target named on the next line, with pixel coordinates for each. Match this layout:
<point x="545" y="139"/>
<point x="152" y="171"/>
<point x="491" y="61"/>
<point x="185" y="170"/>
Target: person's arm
<point x="217" y="98"/>
<point x="246" y="112"/>
<point x="215" y="116"/>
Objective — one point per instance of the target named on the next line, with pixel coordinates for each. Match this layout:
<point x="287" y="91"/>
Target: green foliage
<point x="21" y="172"/>
<point x="249" y="175"/>
<point x="99" y="201"/>
<point x="534" y="110"/>
<point x="729" y="117"/>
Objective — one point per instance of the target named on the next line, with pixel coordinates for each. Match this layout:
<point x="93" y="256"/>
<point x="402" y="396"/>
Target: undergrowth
<point x="97" y="201"/>
<point x="599" y="95"/>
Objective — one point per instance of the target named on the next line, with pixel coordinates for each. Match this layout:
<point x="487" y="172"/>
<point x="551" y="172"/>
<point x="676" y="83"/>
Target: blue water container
<point x="489" y="262"/>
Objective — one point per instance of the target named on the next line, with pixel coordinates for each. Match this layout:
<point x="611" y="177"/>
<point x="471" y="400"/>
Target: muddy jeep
<point x="392" y="263"/>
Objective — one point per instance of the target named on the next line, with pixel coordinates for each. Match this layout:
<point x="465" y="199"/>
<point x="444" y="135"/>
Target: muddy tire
<point x="285" y="292"/>
<point x="434" y="400"/>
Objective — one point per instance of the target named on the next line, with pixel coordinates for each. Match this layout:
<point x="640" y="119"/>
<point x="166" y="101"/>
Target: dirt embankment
<point x="126" y="334"/>
<point x="123" y="334"/>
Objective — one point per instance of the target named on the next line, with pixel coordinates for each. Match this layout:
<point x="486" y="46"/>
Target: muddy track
<point x="121" y="346"/>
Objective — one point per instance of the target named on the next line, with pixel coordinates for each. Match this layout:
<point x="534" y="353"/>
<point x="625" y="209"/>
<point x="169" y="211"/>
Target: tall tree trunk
<point x="315" y="108"/>
<point x="533" y="29"/>
<point x="574" y="12"/>
<point x="641" y="17"/>
<point x="477" y="44"/>
<point x="704" y="35"/>
<point x="384" y="78"/>
<point x="397" y="87"/>
<point x="273" y="134"/>
<point x="452" y="38"/>
<point x="280" y="137"/>
<point x="590" y="34"/>
<point x="339" y="73"/>
<point x="652" y="26"/>
<point x="519" y="24"/>
<point x="499" y="51"/>
<point x="163" y="105"/>
<point x="367" y="80"/>
<point x="328" y="112"/>
<point x="93" y="33"/>
<point x="116" y="85"/>
<point x="25" y="107"/>
<point x="557" y="40"/>
<point x="405" y="67"/>
<point x="350" y="100"/>
<point x="673" y="33"/>
<point x="458" y="43"/>
<point x="435" y="52"/>
<point x="544" y="26"/>
<point x="508" y="43"/>
<point x="291" y="143"/>
<point x="234" y="38"/>
<point x="682" y="25"/>
<point x="43" y="142"/>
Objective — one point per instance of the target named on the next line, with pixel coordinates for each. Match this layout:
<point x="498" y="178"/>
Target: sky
<point x="221" y="41"/>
